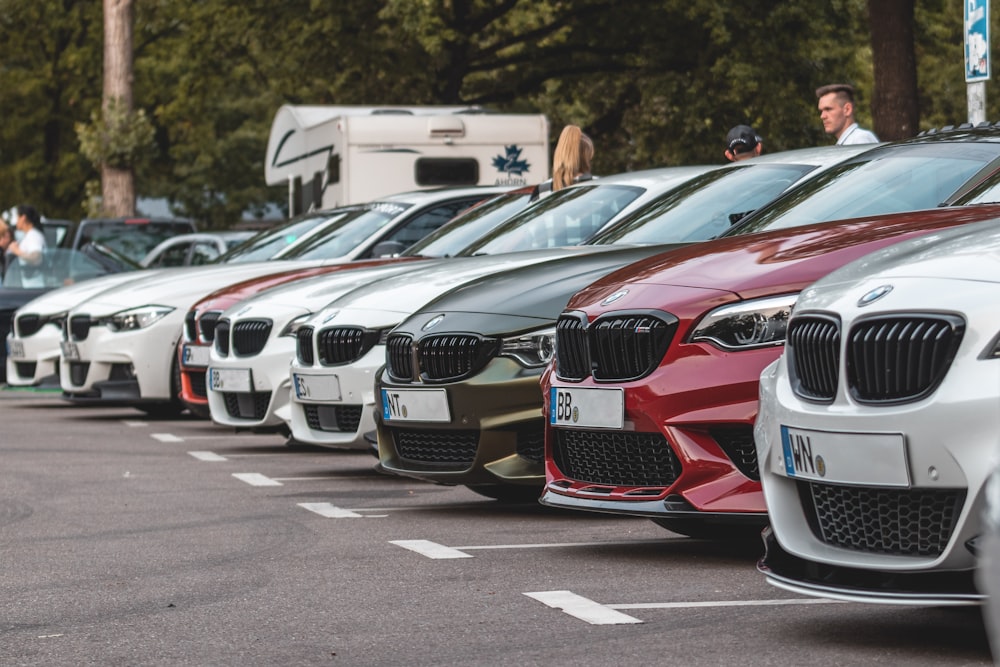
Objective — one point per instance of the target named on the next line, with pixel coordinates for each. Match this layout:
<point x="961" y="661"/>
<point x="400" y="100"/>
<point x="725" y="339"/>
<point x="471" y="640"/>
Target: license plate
<point x="195" y="355"/>
<point x="70" y="351"/>
<point x="587" y="407"/>
<point x="871" y="459"/>
<point x="15" y="349"/>
<point x="415" y="405"/>
<point x="230" y="379"/>
<point x="316" y="387"/>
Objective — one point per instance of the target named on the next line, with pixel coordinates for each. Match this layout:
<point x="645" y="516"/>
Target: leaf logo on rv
<point x="511" y="163"/>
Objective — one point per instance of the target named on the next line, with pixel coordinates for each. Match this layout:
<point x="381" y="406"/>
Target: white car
<point x="878" y="425"/>
<point x="120" y="346"/>
<point x="194" y="249"/>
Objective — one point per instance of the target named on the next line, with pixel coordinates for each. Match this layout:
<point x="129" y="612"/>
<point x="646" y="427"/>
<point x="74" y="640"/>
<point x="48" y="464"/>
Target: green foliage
<point x="118" y="137"/>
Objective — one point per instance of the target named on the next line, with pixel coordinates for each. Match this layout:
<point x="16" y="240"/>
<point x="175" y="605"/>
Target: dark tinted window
<point x="340" y="239"/>
<point x="428" y="220"/>
<point x="132" y="238"/>
<point x="469" y="226"/>
<point x="269" y="243"/>
<point x="446" y="171"/>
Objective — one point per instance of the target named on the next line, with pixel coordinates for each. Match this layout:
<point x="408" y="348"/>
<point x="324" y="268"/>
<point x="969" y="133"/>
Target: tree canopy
<point x="654" y="83"/>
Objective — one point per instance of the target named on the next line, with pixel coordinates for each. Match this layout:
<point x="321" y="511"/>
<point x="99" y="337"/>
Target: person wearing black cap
<point x="743" y="142"/>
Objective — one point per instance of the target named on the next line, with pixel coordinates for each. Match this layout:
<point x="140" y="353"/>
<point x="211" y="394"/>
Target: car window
<point x="469" y="226"/>
<point x="132" y="238"/>
<point x="174" y="255"/>
<point x="204" y="252"/>
<point x="63" y="266"/>
<point x="705" y="206"/>
<point x="339" y="240"/>
<point x="987" y="192"/>
<point x="267" y="244"/>
<point x="428" y="220"/>
<point x="909" y="178"/>
<point x="566" y="217"/>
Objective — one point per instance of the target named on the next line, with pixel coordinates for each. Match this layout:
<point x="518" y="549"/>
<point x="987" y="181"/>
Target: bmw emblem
<point x="332" y="314"/>
<point x="614" y="297"/>
<point x="433" y="322"/>
<point x="874" y="295"/>
<point x="243" y="311"/>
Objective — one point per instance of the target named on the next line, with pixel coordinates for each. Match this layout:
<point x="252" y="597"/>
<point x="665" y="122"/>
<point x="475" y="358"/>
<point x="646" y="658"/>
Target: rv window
<point x="447" y="171"/>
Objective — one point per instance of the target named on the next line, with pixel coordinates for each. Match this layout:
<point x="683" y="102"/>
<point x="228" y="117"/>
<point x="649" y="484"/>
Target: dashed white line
<point x="208" y="456"/>
<point x="133" y="423"/>
<point x="582" y="608"/>
<point x="430" y="549"/>
<point x="723" y="603"/>
<point x="551" y="545"/>
<point x="256" y="479"/>
<point x="166" y="437"/>
<point x="330" y="511"/>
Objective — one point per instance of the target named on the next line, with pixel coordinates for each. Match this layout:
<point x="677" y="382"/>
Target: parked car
<point x="878" y="425"/>
<point x="264" y="403"/>
<point x="131" y="237"/>
<point x="120" y="346"/>
<point x="39" y="338"/>
<point x="988" y="571"/>
<point x="193" y="249"/>
<point x="675" y="440"/>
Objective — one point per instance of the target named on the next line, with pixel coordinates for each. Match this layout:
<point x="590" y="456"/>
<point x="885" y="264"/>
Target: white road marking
<point x="430" y="549"/>
<point x="330" y="511"/>
<point x="130" y="422"/>
<point x="166" y="437"/>
<point x="564" y="544"/>
<point x="723" y="603"/>
<point x="208" y="456"/>
<point x="255" y="479"/>
<point x="582" y="608"/>
<point x="306" y="479"/>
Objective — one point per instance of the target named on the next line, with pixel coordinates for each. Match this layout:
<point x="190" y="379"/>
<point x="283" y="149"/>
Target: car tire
<point x="702" y="530"/>
<point x="507" y="493"/>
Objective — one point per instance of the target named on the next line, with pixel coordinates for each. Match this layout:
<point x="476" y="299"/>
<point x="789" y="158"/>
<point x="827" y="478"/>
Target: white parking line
<point x="582" y="608"/>
<point x="131" y="422"/>
<point x="330" y="511"/>
<point x="166" y="437"/>
<point x="724" y="603"/>
<point x="430" y="549"/>
<point x="255" y="479"/>
<point x="208" y="456"/>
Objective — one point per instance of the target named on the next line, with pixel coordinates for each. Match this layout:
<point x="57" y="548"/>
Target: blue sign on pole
<point x="977" y="40"/>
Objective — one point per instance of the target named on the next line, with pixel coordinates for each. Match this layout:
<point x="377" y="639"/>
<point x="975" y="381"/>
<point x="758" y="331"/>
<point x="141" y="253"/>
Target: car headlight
<point x="137" y="318"/>
<point x="531" y="349"/>
<point x="747" y="325"/>
<point x="292" y="328"/>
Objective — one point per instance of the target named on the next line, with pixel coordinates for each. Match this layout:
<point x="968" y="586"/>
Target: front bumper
<point x="265" y="406"/>
<point x="37" y="361"/>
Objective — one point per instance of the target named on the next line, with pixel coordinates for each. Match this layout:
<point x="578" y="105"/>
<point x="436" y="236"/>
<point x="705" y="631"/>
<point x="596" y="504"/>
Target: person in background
<point x="571" y="161"/>
<point x="28" y="246"/>
<point x="6" y="238"/>
<point x="836" y="110"/>
<point x="743" y="142"/>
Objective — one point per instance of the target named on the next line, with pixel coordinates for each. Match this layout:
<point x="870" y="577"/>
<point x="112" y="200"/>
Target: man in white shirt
<point x="28" y="246"/>
<point x="836" y="110"/>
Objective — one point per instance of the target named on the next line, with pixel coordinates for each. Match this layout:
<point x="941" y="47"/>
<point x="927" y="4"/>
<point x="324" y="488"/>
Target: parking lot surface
<point x="126" y="540"/>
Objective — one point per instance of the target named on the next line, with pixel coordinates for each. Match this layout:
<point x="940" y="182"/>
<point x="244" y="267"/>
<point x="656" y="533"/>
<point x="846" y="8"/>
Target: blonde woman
<point x="571" y="161"/>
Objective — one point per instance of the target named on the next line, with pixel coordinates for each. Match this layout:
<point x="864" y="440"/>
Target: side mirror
<point x="388" y="249"/>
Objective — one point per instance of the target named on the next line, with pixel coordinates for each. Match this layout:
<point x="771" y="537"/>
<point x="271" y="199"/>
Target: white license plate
<point x="872" y="459"/>
<point x="230" y="379"/>
<point x="70" y="351"/>
<point x="587" y="407"/>
<point x="415" y="405"/>
<point x="15" y="349"/>
<point x="316" y="387"/>
<point x="195" y="355"/>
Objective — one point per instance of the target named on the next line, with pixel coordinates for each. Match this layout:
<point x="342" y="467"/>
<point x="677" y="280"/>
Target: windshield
<point x="566" y="217"/>
<point x="469" y="226"/>
<point x="63" y="266"/>
<point x="901" y="178"/>
<point x="705" y="206"/>
<point x="132" y="238"/>
<point x="987" y="192"/>
<point x="269" y="243"/>
<point x="340" y="239"/>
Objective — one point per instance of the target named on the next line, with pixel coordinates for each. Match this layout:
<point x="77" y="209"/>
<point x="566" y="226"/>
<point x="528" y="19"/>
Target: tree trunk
<point x="117" y="184"/>
<point x="895" y="108"/>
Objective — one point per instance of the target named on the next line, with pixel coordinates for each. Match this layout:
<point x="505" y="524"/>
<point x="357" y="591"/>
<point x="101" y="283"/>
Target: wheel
<point x="702" y="530"/>
<point x="507" y="493"/>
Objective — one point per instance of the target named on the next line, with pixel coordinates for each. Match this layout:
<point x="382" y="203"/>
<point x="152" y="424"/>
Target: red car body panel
<point x="699" y="395"/>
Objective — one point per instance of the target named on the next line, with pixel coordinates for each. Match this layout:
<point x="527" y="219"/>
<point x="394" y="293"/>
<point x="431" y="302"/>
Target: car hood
<point x="523" y="298"/>
<point x="775" y="262"/>
<point x="63" y="298"/>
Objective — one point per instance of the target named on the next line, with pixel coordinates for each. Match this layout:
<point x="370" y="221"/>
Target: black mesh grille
<point x="207" y="324"/>
<point x="78" y="372"/>
<point x="249" y="336"/>
<point x="445" y="447"/>
<point x="222" y="338"/>
<point x="399" y="357"/>
<point x="616" y="458"/>
<point x="900" y="358"/>
<point x="813" y="349"/>
<point x="199" y="385"/>
<point x="247" y="405"/>
<point x="191" y="325"/>
<point x="79" y="327"/>
<point x="343" y="345"/>
<point x="28" y="325"/>
<point x="616" y="347"/>
<point x="572" y="355"/>
<point x="531" y="443"/>
<point x="334" y="418"/>
<point x="738" y="444"/>
<point x="453" y="356"/>
<point x="304" y="346"/>
<point x="908" y="522"/>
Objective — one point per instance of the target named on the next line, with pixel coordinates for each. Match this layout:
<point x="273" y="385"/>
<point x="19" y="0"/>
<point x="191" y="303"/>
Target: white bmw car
<point x="878" y="426"/>
<point x="120" y="346"/>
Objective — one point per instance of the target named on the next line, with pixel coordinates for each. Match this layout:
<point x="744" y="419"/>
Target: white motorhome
<point x="336" y="155"/>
